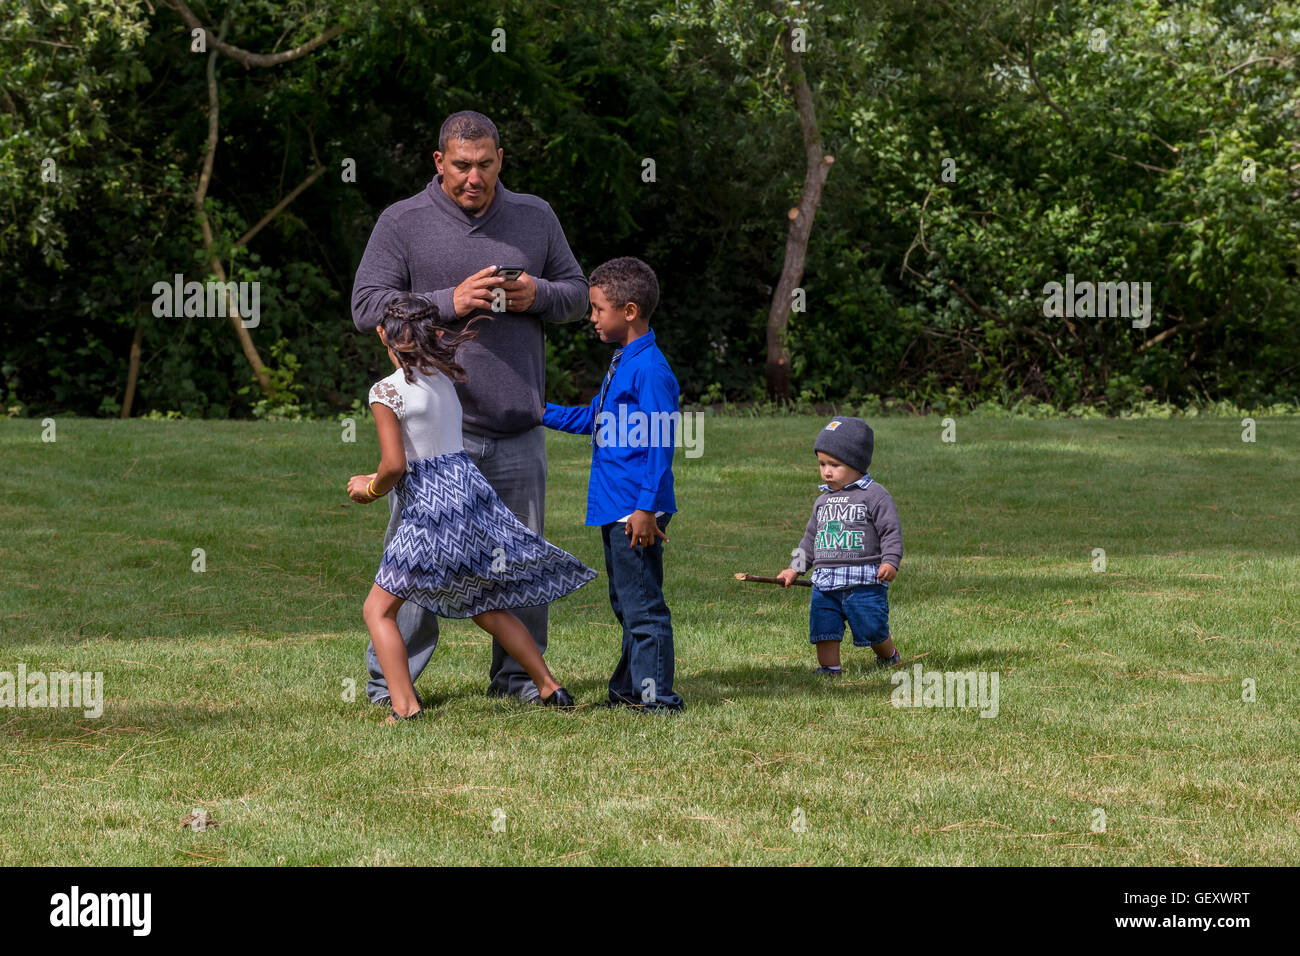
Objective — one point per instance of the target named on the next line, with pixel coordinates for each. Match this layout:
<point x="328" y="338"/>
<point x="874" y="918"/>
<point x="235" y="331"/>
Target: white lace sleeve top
<point x="428" y="411"/>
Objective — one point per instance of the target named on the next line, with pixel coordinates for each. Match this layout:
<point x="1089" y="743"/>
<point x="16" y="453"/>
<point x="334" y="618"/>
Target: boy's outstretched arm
<point x="574" y="419"/>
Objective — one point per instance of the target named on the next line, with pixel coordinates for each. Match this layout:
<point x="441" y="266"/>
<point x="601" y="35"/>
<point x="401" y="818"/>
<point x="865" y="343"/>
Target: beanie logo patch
<point x="832" y="426"/>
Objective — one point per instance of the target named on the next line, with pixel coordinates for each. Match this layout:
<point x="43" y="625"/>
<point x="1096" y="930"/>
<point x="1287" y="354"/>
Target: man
<point x="446" y="241"/>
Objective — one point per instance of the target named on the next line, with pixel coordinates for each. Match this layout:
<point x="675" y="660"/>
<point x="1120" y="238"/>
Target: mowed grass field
<point x="226" y="690"/>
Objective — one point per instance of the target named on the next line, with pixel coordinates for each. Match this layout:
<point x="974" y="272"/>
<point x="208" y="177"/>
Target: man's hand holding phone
<point x="476" y="292"/>
<point x="520" y="289"/>
<point x="479" y="291"/>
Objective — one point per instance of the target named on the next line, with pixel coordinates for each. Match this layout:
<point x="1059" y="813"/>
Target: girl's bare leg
<point x="380" y="612"/>
<point x="518" y="643"/>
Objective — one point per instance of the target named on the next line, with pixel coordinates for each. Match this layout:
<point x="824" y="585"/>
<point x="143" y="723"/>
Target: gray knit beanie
<point x="848" y="439"/>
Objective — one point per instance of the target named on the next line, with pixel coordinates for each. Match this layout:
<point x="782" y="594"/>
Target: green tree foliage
<point x="1124" y="140"/>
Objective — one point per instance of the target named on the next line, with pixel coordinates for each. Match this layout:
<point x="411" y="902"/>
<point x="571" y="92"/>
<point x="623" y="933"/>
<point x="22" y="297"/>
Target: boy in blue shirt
<point x="633" y="421"/>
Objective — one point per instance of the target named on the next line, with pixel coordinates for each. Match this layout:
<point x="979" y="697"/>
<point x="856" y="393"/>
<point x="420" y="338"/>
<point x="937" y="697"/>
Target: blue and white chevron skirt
<point x="460" y="551"/>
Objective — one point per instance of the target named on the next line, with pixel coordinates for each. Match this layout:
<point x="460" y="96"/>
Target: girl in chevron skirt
<point x="459" y="551"/>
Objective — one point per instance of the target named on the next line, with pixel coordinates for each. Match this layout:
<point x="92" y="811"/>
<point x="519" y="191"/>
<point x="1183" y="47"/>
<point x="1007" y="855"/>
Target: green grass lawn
<point x="225" y="690"/>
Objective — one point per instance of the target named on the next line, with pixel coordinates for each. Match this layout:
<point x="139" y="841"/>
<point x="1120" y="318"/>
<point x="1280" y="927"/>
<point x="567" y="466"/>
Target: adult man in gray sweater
<point x="446" y="241"/>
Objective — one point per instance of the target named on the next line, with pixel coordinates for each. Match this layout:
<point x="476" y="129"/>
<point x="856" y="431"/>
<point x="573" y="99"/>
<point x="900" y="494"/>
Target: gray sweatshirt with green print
<point x="851" y="526"/>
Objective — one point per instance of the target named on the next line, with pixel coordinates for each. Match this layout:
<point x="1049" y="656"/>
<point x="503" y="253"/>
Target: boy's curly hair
<point x="628" y="279"/>
<point x="411" y="324"/>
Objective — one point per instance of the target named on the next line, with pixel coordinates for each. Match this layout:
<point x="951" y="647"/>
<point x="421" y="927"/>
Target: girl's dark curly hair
<point x="411" y="324"/>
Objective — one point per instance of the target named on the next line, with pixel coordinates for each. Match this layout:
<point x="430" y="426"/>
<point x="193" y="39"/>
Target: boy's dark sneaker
<point x="657" y="708"/>
<point x="640" y="707"/>
<point x="828" y="671"/>
<point x="890" y="661"/>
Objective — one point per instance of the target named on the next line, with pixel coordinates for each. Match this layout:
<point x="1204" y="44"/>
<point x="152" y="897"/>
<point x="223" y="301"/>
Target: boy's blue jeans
<point x="644" y="675"/>
<point x="865" y="607"/>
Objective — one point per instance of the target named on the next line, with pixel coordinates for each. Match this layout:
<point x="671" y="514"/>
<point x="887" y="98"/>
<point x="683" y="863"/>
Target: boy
<point x="857" y="545"/>
<point x="633" y="421"/>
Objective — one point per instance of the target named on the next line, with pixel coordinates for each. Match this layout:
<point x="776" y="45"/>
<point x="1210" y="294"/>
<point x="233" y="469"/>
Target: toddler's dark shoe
<point x="827" y="671"/>
<point x="890" y="661"/>
<point x="561" y="698"/>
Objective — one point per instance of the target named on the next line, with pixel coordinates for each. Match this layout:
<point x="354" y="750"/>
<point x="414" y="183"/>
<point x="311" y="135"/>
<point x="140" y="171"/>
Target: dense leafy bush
<point x="982" y="150"/>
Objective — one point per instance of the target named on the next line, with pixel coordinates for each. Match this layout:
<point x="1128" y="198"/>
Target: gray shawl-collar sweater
<point x="429" y="244"/>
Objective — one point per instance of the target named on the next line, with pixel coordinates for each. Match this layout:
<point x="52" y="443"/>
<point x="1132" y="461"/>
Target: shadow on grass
<point x="720" y="685"/>
<point x="288" y="714"/>
<point x="860" y="677"/>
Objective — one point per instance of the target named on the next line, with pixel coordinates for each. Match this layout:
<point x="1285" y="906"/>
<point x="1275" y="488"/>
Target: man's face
<point x="469" y="172"/>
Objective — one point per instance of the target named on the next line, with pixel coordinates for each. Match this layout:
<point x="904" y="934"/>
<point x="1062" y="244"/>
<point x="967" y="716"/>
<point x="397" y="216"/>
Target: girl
<point x="459" y="551"/>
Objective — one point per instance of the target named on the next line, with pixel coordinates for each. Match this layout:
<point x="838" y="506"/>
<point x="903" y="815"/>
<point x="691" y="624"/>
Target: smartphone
<point x="510" y="272"/>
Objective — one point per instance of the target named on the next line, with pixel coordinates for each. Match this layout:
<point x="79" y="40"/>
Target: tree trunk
<point x="205" y="176"/>
<point x="818" y="167"/>
<point x="205" y="224"/>
<point x="133" y="370"/>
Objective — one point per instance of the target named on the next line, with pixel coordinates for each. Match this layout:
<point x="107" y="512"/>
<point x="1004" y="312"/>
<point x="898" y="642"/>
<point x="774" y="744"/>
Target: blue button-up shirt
<point x="633" y="437"/>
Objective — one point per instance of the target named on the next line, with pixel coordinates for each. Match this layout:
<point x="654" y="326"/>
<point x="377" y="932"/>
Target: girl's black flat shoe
<point x="561" y="698"/>
<point x="394" y="717"/>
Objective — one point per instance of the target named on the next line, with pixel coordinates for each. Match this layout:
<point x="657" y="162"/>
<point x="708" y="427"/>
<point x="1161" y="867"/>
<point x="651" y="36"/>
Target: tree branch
<point x="1146" y="166"/>
<point x="918" y="240"/>
<point x="1032" y="70"/>
<point x="210" y="150"/>
<point x="966" y="297"/>
<point x="990" y="314"/>
<point x="205" y="224"/>
<point x="250" y="59"/>
<point x="1170" y="332"/>
<point x="316" y="174"/>
<point x="1252" y="61"/>
<point x="1033" y="73"/>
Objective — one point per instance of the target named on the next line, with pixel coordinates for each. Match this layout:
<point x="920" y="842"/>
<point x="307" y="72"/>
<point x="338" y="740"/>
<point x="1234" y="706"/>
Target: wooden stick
<point x="759" y="579"/>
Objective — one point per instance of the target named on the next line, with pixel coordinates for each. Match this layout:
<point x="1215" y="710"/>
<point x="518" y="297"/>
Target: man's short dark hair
<point x="628" y="279"/>
<point x="467" y="125"/>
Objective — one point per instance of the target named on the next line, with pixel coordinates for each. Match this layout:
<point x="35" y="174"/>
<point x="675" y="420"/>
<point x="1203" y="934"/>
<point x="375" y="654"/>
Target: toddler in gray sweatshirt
<point x="855" y="546"/>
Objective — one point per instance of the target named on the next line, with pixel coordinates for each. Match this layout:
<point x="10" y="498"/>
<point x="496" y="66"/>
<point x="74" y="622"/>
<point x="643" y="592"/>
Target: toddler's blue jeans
<point x="865" y="608"/>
